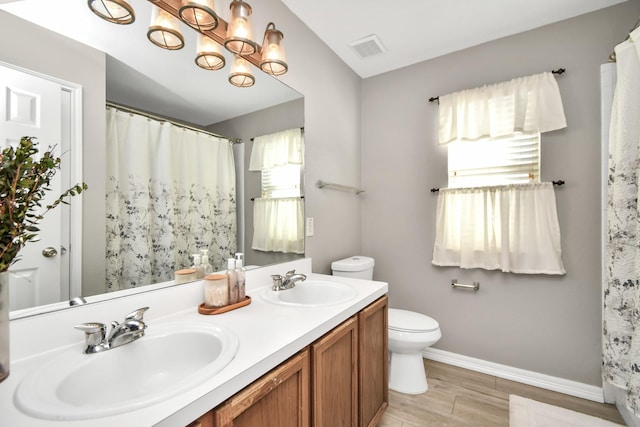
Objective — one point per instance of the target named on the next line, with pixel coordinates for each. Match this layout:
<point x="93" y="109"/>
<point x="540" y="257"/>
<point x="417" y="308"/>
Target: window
<point x="497" y="161"/>
<point x="281" y="181"/>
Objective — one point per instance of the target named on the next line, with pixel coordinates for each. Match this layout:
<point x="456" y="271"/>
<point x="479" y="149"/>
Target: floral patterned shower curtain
<point x="170" y="192"/>
<point x="621" y="316"/>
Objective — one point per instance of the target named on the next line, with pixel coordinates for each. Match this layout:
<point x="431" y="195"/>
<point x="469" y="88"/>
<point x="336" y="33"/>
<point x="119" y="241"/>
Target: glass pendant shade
<point x="209" y="55"/>
<point x="165" y="30"/>
<point x="240" y="75"/>
<point x="199" y="14"/>
<point x="273" y="60"/>
<point x="239" y="39"/>
<point x="115" y="11"/>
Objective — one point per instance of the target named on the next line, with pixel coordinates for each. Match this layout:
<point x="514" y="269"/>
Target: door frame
<point x="75" y="175"/>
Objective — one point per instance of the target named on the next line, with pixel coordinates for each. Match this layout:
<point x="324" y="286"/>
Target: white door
<point x="30" y="106"/>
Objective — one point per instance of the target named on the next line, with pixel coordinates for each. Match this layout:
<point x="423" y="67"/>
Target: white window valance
<point x="276" y="149"/>
<point x="527" y="105"/>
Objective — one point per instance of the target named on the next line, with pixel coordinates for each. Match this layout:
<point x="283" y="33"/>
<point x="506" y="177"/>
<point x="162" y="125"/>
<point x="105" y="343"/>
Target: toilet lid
<point x="409" y="321"/>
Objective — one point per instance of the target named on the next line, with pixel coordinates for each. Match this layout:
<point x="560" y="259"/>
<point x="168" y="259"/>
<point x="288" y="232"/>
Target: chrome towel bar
<point x="475" y="286"/>
<point x="322" y="184"/>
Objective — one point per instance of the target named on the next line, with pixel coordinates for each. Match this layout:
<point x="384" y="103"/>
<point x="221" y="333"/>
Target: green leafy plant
<point x="24" y="181"/>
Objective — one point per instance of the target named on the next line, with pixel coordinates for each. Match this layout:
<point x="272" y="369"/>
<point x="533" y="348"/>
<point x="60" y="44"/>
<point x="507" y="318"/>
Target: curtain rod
<point x="612" y="57"/>
<point x="559" y="71"/>
<point x="173" y="122"/>
<point x="301" y="128"/>
<point x="253" y="199"/>
<point x="556" y="182"/>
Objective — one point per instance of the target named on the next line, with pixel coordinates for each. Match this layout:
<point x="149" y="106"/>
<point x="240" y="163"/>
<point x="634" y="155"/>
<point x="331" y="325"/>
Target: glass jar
<point x="216" y="290"/>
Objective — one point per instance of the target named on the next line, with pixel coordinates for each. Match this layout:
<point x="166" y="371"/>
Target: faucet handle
<point x="290" y="273"/>
<point x="136" y="315"/>
<point x="94" y="333"/>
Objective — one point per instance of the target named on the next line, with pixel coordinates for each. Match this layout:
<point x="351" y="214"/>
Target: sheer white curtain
<point x="621" y="315"/>
<point x="530" y="105"/>
<point x="278" y="223"/>
<point x="510" y="228"/>
<point x="170" y="192"/>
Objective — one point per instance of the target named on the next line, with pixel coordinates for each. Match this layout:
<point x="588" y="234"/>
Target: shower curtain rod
<point x="556" y="182"/>
<point x="559" y="71"/>
<point x="173" y="122"/>
<point x="612" y="57"/>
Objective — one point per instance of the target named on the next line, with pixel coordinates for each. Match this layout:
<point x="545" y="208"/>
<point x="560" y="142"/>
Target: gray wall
<point x="545" y="324"/>
<point x="284" y="116"/>
<point x="37" y="49"/>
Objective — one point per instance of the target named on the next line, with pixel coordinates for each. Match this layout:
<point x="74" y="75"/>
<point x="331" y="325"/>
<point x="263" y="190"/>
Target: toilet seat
<point x="409" y="321"/>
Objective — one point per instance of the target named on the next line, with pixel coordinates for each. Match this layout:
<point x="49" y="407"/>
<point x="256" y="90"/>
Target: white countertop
<point x="268" y="335"/>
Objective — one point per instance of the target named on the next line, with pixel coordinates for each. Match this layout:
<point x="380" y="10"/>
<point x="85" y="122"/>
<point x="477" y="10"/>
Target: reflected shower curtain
<point x="621" y="315"/>
<point x="170" y="192"/>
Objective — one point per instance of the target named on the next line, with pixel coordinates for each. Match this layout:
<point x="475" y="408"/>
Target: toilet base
<point x="407" y="374"/>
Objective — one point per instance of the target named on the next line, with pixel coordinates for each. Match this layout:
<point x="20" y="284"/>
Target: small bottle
<point x="197" y="264"/>
<point x="240" y="276"/>
<point x="208" y="269"/>
<point x="216" y="290"/>
<point x="233" y="281"/>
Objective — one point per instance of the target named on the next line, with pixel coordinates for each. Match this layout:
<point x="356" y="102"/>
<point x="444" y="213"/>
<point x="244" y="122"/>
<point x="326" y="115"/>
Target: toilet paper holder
<point x="475" y="286"/>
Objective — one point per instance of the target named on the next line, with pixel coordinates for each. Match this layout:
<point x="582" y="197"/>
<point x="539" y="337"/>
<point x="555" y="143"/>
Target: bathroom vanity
<point x="310" y="362"/>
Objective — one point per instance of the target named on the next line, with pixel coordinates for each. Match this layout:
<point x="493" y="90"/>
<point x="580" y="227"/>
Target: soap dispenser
<point x="233" y="281"/>
<point x="208" y="269"/>
<point x="197" y="265"/>
<point x="240" y="276"/>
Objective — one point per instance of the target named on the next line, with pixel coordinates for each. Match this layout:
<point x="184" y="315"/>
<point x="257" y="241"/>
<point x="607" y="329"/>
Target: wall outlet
<point x="309" y="227"/>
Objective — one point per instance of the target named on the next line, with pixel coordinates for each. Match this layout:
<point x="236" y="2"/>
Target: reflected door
<point x="31" y="106"/>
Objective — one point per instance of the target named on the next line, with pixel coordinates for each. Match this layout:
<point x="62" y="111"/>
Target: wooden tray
<point x="202" y="309"/>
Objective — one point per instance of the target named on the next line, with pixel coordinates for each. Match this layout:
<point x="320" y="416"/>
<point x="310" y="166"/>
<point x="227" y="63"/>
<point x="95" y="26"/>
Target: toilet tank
<point x="357" y="267"/>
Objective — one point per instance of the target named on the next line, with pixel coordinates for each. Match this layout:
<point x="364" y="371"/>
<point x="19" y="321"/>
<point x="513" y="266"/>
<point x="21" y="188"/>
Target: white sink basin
<point x="311" y="293"/>
<point x="168" y="360"/>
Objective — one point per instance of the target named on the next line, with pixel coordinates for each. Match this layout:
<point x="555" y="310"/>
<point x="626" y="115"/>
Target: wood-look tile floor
<point x="462" y="398"/>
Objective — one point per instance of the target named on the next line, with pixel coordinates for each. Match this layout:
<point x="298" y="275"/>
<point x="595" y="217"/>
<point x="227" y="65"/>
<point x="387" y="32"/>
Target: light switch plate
<point x="309" y="227"/>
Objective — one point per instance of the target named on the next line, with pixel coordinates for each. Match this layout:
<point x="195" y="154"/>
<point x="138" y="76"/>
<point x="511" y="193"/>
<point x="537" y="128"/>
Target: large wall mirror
<point x="117" y="64"/>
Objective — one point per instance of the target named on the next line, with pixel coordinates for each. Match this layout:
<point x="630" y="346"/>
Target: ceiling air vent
<point x="368" y="46"/>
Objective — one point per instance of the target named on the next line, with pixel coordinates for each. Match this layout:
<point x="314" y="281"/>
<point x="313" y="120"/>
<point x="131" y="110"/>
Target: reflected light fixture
<point x="273" y="59"/>
<point x="240" y="74"/>
<point x="239" y="39"/>
<point x="208" y="54"/>
<point x="165" y="30"/>
<point x="213" y="33"/>
<point x="199" y="14"/>
<point x="115" y="11"/>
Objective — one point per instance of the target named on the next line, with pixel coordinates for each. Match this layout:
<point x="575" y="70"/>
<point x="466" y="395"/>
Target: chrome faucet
<point x="95" y="334"/>
<point x="289" y="280"/>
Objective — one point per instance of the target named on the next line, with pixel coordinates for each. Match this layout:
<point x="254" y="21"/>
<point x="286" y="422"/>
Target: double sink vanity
<point x="293" y="357"/>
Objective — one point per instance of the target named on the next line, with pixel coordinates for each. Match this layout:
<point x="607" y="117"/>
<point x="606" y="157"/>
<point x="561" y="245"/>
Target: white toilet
<point x="409" y="333"/>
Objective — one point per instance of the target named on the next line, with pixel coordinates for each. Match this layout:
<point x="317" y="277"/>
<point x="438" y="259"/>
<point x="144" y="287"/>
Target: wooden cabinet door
<point x="374" y="362"/>
<point x="204" y="421"/>
<point x="335" y="377"/>
<point x="278" y="399"/>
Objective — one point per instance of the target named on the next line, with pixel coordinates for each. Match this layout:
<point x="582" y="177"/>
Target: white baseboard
<point x="561" y="385"/>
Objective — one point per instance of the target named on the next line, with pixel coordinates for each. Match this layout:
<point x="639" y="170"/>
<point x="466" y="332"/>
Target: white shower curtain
<point x="170" y="192"/>
<point x="621" y="315"/>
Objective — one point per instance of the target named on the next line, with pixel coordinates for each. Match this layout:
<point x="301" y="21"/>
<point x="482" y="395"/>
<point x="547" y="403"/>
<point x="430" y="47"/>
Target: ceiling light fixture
<point x="214" y="32"/>
<point x="239" y="38"/>
<point x="208" y="54"/>
<point x="240" y="74"/>
<point x="273" y="60"/>
<point x="115" y="11"/>
<point x="165" y="30"/>
<point x="199" y="14"/>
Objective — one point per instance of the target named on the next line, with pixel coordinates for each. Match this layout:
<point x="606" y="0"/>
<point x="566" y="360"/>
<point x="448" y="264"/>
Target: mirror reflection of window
<point x="278" y="215"/>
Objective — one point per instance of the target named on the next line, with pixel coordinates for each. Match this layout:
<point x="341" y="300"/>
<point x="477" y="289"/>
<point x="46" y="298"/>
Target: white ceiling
<point x="410" y="30"/>
<point x="413" y="31"/>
